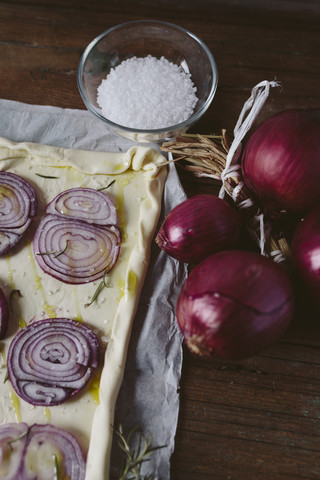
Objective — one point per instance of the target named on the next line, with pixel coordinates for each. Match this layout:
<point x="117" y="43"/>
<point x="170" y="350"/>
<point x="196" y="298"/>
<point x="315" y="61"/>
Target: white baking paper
<point x="149" y="394"/>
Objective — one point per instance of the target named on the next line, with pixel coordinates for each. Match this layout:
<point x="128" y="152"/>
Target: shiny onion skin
<point x="305" y="253"/>
<point x="234" y="304"/>
<point x="28" y="453"/>
<point x="280" y="163"/>
<point x="18" y="205"/>
<point x="78" y="239"/>
<point x="199" y="226"/>
<point x="50" y="360"/>
<point x="4" y="315"/>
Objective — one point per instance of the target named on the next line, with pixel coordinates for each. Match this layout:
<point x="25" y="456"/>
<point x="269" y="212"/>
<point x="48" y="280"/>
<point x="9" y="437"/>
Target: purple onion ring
<point x="88" y="251"/>
<point x="78" y="241"/>
<point x="87" y="204"/>
<point x="18" y="204"/>
<point x="23" y="447"/>
<point x="52" y="359"/>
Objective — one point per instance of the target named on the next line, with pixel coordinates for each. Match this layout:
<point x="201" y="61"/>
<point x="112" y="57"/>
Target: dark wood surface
<point x="258" y="418"/>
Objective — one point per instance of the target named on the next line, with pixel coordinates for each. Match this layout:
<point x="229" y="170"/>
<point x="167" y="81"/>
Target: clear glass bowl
<point x="141" y="38"/>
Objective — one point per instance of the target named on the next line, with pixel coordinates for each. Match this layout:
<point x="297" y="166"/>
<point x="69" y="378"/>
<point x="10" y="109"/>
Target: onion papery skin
<point x="31" y="452"/>
<point x="280" y="163"/>
<point x="52" y="359"/>
<point x="87" y="204"/>
<point x="199" y="226"/>
<point x="4" y="315"/>
<point x="234" y="304"/>
<point x="305" y="254"/>
<point x="18" y="205"/>
<point x="88" y="250"/>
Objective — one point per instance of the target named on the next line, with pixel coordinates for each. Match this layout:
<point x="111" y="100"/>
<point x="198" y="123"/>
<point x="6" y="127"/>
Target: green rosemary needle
<point x="45" y="176"/>
<point x="99" y="289"/>
<point x="104" y="188"/>
<point x="55" y="251"/>
<point x="135" y="454"/>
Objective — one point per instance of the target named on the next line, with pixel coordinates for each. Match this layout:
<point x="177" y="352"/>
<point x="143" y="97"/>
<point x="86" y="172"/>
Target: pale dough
<point x="137" y="193"/>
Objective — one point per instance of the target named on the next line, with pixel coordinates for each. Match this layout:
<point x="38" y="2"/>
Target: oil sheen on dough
<point x="137" y="193"/>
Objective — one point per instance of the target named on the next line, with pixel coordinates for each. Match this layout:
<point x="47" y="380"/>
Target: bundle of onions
<point x="279" y="172"/>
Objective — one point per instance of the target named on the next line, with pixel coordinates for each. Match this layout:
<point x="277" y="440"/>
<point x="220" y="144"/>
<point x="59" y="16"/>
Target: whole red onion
<point x="305" y="251"/>
<point x="281" y="161"/>
<point x="234" y="304"/>
<point x="199" y="226"/>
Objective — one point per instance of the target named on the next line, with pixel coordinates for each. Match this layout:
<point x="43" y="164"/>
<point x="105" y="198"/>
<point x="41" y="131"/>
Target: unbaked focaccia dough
<point x="137" y="193"/>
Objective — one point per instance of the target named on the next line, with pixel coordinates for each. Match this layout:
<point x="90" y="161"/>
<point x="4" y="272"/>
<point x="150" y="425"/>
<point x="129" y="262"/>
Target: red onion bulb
<point x="234" y="304"/>
<point x="198" y="227"/>
<point x="305" y="251"/>
<point x="280" y="163"/>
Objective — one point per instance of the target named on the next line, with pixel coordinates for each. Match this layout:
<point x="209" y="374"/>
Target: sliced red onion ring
<point x="87" y="204"/>
<point x="78" y="241"/>
<point x="18" y="204"/>
<point x="13" y="439"/>
<point x="88" y="250"/>
<point x="50" y="442"/>
<point x="52" y="359"/>
<point x="4" y="315"/>
<point x="30" y="453"/>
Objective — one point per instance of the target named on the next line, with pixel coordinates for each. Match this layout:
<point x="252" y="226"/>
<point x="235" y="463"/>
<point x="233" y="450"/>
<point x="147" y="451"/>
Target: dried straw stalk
<point x="205" y="156"/>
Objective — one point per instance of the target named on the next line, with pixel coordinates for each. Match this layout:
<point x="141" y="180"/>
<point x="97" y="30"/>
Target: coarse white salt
<point x="147" y="93"/>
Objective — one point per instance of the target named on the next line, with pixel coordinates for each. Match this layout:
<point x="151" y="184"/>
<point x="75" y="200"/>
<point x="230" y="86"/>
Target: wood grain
<point x="248" y="420"/>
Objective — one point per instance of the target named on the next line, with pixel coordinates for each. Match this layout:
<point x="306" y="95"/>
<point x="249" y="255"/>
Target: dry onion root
<point x="206" y="156"/>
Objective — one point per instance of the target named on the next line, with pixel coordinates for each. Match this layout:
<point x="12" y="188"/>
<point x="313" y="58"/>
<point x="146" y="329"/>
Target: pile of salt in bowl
<point x="147" y="93"/>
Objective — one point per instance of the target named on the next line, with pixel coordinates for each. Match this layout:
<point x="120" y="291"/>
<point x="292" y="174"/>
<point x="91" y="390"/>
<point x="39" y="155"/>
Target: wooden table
<point x="258" y="418"/>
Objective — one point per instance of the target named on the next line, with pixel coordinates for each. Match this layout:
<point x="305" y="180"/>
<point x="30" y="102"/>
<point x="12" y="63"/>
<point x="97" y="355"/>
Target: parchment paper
<point x="149" y="394"/>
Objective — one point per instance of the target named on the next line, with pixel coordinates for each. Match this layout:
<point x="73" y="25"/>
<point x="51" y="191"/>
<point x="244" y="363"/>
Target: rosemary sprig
<point x="107" y="186"/>
<point x="135" y="457"/>
<point x="55" y="251"/>
<point x="99" y="289"/>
